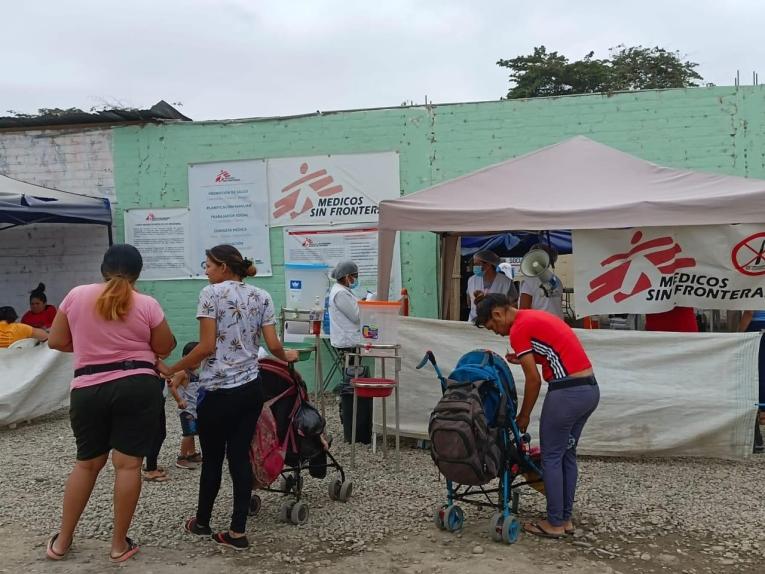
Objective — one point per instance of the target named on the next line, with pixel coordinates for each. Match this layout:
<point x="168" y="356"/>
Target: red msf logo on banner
<point x="224" y="176"/>
<point x="660" y="253"/>
<point x="299" y="193"/>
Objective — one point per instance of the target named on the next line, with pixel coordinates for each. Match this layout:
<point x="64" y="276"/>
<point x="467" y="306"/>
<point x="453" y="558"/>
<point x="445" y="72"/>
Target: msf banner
<point x="653" y="269"/>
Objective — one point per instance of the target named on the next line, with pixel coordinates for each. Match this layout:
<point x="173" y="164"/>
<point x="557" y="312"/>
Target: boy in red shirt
<point x="540" y="338"/>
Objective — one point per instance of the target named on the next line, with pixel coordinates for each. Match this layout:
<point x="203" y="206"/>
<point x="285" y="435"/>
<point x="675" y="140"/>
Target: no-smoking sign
<point x="749" y="255"/>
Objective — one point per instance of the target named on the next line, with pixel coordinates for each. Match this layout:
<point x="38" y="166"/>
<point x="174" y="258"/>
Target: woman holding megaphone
<point x="541" y="289"/>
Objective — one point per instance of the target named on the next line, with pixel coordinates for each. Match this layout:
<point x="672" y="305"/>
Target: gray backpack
<point x="464" y="448"/>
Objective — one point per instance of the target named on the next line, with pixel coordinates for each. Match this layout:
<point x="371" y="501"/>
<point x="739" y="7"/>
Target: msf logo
<point x="300" y="193"/>
<point x="224" y="177"/>
<point x="625" y="279"/>
<point x="150" y="217"/>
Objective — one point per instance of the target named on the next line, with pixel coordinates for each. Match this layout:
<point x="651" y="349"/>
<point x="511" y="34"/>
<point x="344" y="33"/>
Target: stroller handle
<point x="429" y="357"/>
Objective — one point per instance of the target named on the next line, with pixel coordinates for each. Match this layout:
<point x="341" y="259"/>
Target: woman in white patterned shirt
<point x="233" y="319"/>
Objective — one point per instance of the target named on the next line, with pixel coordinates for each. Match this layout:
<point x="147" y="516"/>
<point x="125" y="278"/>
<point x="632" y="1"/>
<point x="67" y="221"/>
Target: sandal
<point x="132" y="550"/>
<point x="536" y="529"/>
<point x="52" y="554"/>
<point x="162" y="477"/>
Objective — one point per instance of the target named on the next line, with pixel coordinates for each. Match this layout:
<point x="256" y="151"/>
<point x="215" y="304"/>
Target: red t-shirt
<point x="554" y="344"/>
<point x="679" y="319"/>
<point x="42" y="320"/>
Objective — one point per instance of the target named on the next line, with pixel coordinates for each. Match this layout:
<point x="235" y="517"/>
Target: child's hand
<point x="182" y="405"/>
<point x="179" y="379"/>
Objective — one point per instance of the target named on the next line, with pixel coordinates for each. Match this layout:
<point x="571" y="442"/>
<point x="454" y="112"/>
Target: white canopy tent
<point x="576" y="184"/>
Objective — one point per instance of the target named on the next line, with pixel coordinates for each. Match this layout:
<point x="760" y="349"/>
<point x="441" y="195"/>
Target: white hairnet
<point x="343" y="269"/>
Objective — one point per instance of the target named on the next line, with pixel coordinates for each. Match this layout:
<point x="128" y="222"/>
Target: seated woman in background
<point x="40" y="314"/>
<point x="10" y="331"/>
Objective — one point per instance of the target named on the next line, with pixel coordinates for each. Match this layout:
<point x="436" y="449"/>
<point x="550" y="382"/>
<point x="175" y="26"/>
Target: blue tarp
<point x="23" y="203"/>
<point x="515" y="244"/>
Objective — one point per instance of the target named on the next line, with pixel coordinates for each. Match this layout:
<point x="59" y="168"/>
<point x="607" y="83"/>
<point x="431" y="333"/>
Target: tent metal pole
<point x="111" y="238"/>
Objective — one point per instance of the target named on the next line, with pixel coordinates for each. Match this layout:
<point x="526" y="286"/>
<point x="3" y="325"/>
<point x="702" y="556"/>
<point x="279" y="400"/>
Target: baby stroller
<point x="289" y="440"/>
<point x="481" y="381"/>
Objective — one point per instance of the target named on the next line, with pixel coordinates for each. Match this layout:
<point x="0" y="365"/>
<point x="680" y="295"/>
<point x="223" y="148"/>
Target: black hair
<point x="122" y="260"/>
<point x="232" y="258"/>
<point x="188" y="347"/>
<point x="120" y="268"/>
<point x="487" y="305"/>
<point x="8" y="314"/>
<point x="38" y="293"/>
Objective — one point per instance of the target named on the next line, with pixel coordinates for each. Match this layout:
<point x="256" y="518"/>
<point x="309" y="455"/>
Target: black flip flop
<point x="539" y="531"/>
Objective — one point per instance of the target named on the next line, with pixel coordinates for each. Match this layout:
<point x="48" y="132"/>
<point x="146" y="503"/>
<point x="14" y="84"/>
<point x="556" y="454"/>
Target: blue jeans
<point x="564" y="414"/>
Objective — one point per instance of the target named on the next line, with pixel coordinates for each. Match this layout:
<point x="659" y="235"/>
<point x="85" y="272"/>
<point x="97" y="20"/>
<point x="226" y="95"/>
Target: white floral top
<point x="240" y="311"/>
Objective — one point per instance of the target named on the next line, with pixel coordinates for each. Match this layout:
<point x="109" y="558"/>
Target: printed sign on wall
<point x="331" y="189"/>
<point x="161" y="235"/>
<point x="653" y="269"/>
<point x="335" y="244"/>
<point x="229" y="204"/>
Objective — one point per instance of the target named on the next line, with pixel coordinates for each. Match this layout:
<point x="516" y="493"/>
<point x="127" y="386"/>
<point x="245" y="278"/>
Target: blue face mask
<point x="478" y="270"/>
<point x="354" y="284"/>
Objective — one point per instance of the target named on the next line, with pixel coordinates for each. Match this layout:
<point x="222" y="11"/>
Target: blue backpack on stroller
<point x="481" y="365"/>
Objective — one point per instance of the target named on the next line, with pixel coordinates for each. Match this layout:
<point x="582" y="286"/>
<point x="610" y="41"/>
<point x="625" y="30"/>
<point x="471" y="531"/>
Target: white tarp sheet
<point x="662" y="394"/>
<point x="34" y="382"/>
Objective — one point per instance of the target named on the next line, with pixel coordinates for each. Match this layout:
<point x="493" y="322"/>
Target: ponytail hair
<point x="120" y="268"/>
<point x="232" y="258"/>
<point x="114" y="302"/>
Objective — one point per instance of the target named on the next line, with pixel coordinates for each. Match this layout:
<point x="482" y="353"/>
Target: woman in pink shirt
<point x="116" y="335"/>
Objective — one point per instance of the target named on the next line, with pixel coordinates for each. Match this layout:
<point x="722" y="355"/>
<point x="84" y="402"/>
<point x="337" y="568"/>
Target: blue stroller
<point x="500" y="403"/>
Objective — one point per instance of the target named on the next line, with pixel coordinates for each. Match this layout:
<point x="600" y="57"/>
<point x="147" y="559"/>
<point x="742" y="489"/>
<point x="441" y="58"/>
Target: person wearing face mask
<point x="344" y="322"/>
<point x="345" y="336"/>
<point x="486" y="280"/>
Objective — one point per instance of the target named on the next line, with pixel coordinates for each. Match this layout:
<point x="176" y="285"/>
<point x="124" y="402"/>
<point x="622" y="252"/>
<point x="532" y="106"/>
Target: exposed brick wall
<point x="61" y="256"/>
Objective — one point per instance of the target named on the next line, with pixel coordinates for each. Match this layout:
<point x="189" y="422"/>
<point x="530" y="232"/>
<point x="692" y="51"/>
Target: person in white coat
<point x="344" y="322"/>
<point x="534" y="295"/>
<point x="486" y="279"/>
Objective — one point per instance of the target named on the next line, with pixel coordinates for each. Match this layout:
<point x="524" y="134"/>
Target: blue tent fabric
<point x="22" y="203"/>
<point x="516" y="243"/>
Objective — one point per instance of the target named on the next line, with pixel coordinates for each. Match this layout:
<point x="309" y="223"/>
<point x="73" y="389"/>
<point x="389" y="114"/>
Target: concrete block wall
<point x="61" y="256"/>
<point x="720" y="129"/>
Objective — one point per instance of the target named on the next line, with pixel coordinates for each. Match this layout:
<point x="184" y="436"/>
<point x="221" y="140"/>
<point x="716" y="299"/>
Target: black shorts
<point x="188" y="424"/>
<point x="123" y="414"/>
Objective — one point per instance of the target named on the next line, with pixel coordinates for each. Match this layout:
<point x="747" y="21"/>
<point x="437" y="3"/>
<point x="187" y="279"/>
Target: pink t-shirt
<point x="97" y="341"/>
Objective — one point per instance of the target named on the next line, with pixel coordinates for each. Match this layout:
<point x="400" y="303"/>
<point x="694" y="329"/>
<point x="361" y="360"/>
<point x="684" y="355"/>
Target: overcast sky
<point x="247" y="58"/>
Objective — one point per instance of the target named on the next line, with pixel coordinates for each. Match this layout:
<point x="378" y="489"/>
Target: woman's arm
<point x="205" y="348"/>
<point x="347" y="304"/>
<point x="162" y="341"/>
<point x="525" y="301"/>
<point x="275" y="345"/>
<point x="60" y="336"/>
<point x="746" y="318"/>
<point x="39" y="334"/>
<point x="531" y="387"/>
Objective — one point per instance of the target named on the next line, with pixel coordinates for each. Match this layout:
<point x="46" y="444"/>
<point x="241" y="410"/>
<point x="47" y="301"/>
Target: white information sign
<point x="161" y="235"/>
<point x="331" y="189"/>
<point x="330" y="245"/>
<point x="653" y="269"/>
<point x="229" y="204"/>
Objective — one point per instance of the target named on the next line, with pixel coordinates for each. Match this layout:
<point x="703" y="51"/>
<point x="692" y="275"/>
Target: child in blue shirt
<point x="185" y="387"/>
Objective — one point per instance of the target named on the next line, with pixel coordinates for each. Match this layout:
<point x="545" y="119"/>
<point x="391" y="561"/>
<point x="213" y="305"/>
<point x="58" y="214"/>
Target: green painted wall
<point x="720" y="129"/>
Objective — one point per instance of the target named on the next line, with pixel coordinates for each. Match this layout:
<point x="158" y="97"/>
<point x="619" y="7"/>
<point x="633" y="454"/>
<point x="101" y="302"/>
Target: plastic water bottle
<point x="315" y="316"/>
<point x="325" y="322"/>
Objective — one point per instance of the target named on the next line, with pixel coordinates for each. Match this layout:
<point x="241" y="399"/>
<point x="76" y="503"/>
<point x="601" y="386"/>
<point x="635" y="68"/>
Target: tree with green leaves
<point x="544" y="73"/>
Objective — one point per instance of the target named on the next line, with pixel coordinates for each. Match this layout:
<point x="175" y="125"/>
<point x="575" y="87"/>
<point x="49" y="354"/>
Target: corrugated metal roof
<point x="161" y="111"/>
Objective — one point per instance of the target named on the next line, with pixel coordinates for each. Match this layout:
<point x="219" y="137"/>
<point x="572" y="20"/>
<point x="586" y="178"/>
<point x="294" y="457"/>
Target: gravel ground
<point x="647" y="515"/>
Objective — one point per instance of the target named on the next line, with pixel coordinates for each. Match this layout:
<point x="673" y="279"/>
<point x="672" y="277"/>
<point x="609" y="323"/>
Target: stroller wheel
<point x="454" y="518"/>
<point x="511" y="529"/>
<point x="346" y="489"/>
<point x="255" y="504"/>
<point x="438" y="518"/>
<point x="495" y="527"/>
<point x="285" y="511"/>
<point x="299" y="513"/>
<point x="334" y="489"/>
